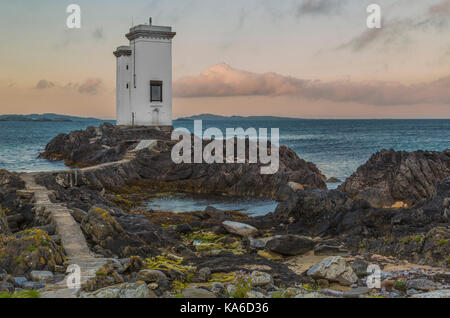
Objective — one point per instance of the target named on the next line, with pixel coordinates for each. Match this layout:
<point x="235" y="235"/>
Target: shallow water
<point x="181" y="202"/>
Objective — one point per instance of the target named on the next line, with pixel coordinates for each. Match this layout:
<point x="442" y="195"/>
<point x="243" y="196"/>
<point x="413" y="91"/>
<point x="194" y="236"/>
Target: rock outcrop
<point x="398" y="176"/>
<point x="114" y="233"/>
<point x="154" y="165"/>
<point x="97" y="145"/>
<point x="28" y="251"/>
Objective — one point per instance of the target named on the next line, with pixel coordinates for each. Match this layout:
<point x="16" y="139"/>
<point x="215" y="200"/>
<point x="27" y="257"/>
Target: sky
<point x="296" y="58"/>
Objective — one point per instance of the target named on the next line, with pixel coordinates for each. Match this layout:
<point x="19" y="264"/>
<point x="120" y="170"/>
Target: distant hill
<point x="218" y="117"/>
<point x="49" y="117"/>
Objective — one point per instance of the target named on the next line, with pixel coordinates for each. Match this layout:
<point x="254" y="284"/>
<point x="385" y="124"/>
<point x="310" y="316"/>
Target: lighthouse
<point x="144" y="77"/>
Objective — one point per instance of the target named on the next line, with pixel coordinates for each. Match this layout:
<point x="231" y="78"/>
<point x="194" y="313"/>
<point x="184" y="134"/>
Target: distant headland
<point x="49" y="117"/>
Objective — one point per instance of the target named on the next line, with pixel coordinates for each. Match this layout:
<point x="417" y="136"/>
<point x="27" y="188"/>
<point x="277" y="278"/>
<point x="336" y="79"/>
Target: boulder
<point x="360" y="266"/>
<point x="125" y="290"/>
<point x="39" y="276"/>
<point x="203" y="275"/>
<point x="421" y="284"/>
<point x="356" y="292"/>
<point x="290" y="245"/>
<point x="260" y="279"/>
<point x="393" y="176"/>
<point x="240" y="229"/>
<point x="334" y="269"/>
<point x="193" y="292"/>
<point x="150" y="276"/>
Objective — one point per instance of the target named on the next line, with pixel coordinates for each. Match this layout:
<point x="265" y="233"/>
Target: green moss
<point x="100" y="273"/>
<point x="400" y="285"/>
<point x="362" y="245"/>
<point x="164" y="262"/>
<point x="31" y="248"/>
<point x="22" y="294"/>
<point x="278" y="294"/>
<point x="448" y="260"/>
<point x="418" y="239"/>
<point x="19" y="260"/>
<point x="206" y="237"/>
<point x="442" y="242"/>
<point x="222" y="277"/>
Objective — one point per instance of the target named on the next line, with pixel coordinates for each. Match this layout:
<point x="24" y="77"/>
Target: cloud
<point x="224" y="81"/>
<point x="395" y="32"/>
<point x="320" y="7"/>
<point x="441" y="8"/>
<point x="91" y="86"/>
<point x="44" y="84"/>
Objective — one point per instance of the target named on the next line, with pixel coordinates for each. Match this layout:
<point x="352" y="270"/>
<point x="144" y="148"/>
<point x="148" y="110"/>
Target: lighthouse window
<point x="156" y="91"/>
<point x="127" y="67"/>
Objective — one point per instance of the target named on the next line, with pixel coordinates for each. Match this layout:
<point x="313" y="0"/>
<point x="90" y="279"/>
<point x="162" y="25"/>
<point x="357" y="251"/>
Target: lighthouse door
<point x="155" y="117"/>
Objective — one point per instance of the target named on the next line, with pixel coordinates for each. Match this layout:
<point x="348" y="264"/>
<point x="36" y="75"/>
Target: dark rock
<point x="184" y="229"/>
<point x="290" y="245"/>
<point x="359" y="266"/>
<point x="78" y="214"/>
<point x="391" y="176"/>
<point x="6" y="287"/>
<point x="314" y="208"/>
<point x="125" y="234"/>
<point x="159" y="171"/>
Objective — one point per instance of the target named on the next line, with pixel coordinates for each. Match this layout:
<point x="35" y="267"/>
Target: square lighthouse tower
<point x="144" y="77"/>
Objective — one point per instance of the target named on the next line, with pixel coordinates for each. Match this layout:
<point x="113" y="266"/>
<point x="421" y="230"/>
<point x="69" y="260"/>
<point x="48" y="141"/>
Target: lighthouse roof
<point x="122" y="50"/>
<point x="150" y="31"/>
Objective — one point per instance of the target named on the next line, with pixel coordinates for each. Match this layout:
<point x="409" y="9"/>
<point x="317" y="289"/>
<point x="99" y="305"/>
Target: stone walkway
<point x="72" y="239"/>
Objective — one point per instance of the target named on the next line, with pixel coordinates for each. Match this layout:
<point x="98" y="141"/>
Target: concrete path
<point x="72" y="239"/>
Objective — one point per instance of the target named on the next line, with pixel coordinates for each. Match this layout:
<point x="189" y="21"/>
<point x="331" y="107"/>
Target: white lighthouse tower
<point x="144" y="77"/>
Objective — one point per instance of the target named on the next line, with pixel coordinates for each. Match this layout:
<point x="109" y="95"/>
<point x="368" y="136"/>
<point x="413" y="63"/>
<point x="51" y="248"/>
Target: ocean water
<point x="183" y="202"/>
<point x="337" y="147"/>
<point x="22" y="142"/>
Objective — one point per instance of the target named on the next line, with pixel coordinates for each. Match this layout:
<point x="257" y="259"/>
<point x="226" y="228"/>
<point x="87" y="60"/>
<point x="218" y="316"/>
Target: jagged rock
<point x="256" y="244"/>
<point x="193" y="292"/>
<point x="314" y="207"/>
<point x="392" y="176"/>
<point x="124" y="235"/>
<point x="157" y="168"/>
<point x="240" y="229"/>
<point x="334" y="269"/>
<point x="29" y="250"/>
<point x="4" y="228"/>
<point x="253" y="294"/>
<point x="290" y="245"/>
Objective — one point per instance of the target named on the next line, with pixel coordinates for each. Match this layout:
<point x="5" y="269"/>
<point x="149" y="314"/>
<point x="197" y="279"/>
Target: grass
<point x="22" y="294"/>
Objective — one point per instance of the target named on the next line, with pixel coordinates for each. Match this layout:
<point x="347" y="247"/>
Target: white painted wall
<point x="123" y="93"/>
<point x="153" y="58"/>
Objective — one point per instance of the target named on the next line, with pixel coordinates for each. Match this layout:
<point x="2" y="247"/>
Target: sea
<point x="337" y="147"/>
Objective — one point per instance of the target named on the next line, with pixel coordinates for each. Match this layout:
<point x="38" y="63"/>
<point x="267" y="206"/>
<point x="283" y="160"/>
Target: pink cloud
<point x="222" y="80"/>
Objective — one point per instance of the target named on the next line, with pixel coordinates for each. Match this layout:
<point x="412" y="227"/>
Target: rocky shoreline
<point x="393" y="213"/>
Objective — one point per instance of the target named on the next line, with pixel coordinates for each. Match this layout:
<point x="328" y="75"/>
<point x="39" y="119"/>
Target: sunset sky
<point x="297" y="58"/>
